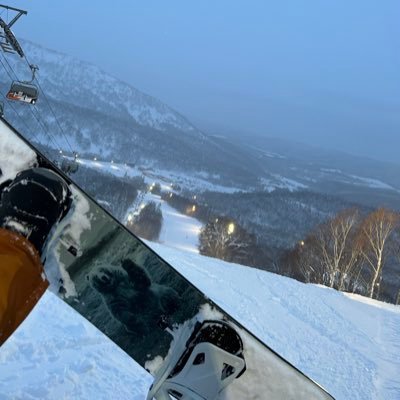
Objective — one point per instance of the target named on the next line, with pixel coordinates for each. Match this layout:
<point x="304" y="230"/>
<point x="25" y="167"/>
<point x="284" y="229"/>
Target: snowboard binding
<point x="201" y="367"/>
<point x="33" y="203"/>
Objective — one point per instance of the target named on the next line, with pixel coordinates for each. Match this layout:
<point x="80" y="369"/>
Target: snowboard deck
<point x="133" y="296"/>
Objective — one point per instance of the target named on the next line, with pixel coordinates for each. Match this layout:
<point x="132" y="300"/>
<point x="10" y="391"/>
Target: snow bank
<point x="16" y="155"/>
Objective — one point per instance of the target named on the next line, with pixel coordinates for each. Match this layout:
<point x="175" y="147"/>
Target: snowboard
<point x="192" y="347"/>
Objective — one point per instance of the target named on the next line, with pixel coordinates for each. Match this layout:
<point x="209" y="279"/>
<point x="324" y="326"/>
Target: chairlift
<point x="70" y="166"/>
<point x="23" y="91"/>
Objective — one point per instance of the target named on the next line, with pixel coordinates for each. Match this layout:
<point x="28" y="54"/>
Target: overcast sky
<point x="325" y="72"/>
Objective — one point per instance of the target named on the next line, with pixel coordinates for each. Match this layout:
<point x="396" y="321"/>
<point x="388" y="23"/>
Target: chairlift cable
<point x="31" y="110"/>
<point x="27" y="91"/>
<point x="10" y="68"/>
<point x="50" y="107"/>
<point x="35" y="113"/>
<point x="55" y="117"/>
<point x="42" y="124"/>
<point x="8" y="72"/>
<point x="34" y="135"/>
<point x="38" y="118"/>
<point x="16" y="78"/>
<point x="20" y="117"/>
<point x="33" y="69"/>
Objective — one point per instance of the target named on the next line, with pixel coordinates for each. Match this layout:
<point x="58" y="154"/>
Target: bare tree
<point x="339" y="253"/>
<point x="395" y="247"/>
<point x="329" y="255"/>
<point x="375" y="233"/>
<point x="304" y="261"/>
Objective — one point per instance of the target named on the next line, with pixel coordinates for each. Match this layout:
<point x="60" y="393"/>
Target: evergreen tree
<point x="222" y="238"/>
<point x="148" y="222"/>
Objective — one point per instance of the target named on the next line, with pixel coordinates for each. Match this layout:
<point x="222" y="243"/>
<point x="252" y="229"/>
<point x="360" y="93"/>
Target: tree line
<point x="113" y="193"/>
<point x="148" y="222"/>
<point x="348" y="252"/>
<point x="354" y="250"/>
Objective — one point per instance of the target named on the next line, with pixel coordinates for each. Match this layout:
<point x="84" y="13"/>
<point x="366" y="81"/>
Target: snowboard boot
<point x="33" y="203"/>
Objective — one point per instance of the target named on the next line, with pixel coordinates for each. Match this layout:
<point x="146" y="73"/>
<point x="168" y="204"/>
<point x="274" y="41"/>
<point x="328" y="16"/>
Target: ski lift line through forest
<point x="36" y="117"/>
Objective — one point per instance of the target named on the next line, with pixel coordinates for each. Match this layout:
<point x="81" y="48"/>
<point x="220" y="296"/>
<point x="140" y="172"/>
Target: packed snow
<point x="280" y="182"/>
<point x="15" y="155"/>
<point x="178" y="231"/>
<point x="199" y="181"/>
<point x="193" y="182"/>
<point x="63" y="74"/>
<point x="349" y="345"/>
<point x="372" y="183"/>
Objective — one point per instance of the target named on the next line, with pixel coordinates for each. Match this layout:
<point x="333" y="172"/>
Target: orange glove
<point x="22" y="281"/>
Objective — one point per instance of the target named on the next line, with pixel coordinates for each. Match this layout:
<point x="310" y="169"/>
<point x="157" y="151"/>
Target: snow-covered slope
<point x="85" y="85"/>
<point x="349" y="345"/>
<point x="103" y="115"/>
<point x="178" y="231"/>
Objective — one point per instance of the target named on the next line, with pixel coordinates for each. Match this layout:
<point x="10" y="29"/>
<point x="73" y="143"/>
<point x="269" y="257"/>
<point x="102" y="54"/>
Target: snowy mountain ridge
<point x="66" y="78"/>
<point x="104" y="116"/>
<point x="101" y="115"/>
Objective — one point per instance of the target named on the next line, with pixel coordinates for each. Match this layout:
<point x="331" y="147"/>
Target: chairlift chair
<point x="23" y="91"/>
<point x="70" y="166"/>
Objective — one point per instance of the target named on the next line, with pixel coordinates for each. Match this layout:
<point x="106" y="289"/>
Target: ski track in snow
<point x="349" y="347"/>
<point x="56" y="354"/>
<point x="388" y="340"/>
<point x="178" y="231"/>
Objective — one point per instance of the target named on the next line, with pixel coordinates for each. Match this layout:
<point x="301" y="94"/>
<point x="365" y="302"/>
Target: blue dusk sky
<point x="325" y="72"/>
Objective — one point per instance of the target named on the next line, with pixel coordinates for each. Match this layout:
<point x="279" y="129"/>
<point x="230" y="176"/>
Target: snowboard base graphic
<point x="190" y="345"/>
